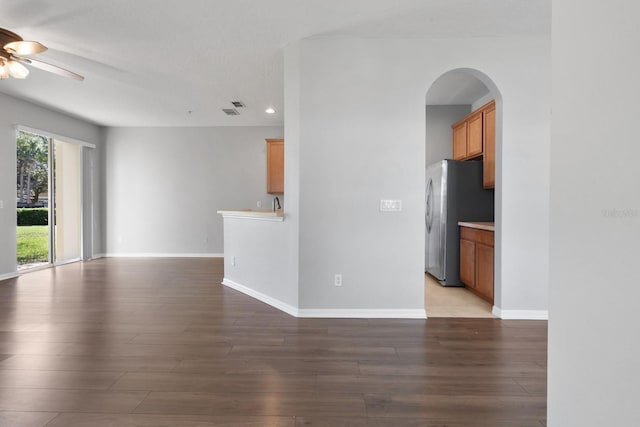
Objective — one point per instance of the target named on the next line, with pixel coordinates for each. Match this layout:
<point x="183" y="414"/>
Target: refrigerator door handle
<point x="429" y="209"/>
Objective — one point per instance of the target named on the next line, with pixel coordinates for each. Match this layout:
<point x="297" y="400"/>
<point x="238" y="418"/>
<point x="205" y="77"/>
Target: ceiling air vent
<point x="231" y="111"/>
<point x="238" y="104"/>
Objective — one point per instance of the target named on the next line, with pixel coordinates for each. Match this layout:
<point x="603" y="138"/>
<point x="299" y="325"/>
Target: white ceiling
<point x="150" y="62"/>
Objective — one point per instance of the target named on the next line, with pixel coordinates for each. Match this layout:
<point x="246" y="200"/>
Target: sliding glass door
<point x="54" y="200"/>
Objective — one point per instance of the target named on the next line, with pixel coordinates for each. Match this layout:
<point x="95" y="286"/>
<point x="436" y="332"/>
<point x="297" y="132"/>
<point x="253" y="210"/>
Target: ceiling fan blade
<point x="48" y="67"/>
<point x="25" y="47"/>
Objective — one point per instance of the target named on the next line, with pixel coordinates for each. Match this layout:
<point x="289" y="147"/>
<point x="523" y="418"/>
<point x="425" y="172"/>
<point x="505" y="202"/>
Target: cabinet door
<point x="489" y="159"/>
<point x="468" y="262"/>
<point x="275" y="166"/>
<point x="460" y="141"/>
<point x="474" y="135"/>
<point x="484" y="277"/>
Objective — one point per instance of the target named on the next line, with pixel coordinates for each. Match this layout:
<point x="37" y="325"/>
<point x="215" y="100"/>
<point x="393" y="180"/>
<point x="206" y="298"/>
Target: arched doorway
<point x="452" y="97"/>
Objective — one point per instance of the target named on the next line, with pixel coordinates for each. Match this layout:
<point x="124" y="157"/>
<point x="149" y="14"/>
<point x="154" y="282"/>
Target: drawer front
<point x="481" y="236"/>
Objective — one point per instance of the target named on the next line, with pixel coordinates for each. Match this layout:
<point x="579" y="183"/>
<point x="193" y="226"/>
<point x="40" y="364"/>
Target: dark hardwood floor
<point x="159" y="342"/>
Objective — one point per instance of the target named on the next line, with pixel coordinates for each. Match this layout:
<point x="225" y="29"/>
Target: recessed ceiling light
<point x="270" y="110"/>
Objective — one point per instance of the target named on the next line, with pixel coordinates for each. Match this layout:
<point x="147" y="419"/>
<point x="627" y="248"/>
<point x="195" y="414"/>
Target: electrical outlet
<point x="233" y="260"/>
<point x="337" y="280"/>
<point x="259" y="204"/>
<point x="390" y="205"/>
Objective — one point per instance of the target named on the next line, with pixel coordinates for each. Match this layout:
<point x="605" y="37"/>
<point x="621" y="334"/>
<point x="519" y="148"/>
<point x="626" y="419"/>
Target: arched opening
<point x="458" y="272"/>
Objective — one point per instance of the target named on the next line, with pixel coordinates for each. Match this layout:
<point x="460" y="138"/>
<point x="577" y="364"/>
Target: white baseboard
<point x="9" y="275"/>
<point x="327" y="313"/>
<point x="276" y="303"/>
<point x="68" y="261"/>
<point x="157" y="255"/>
<point x="520" y="314"/>
<point x="153" y="255"/>
<point x="359" y="313"/>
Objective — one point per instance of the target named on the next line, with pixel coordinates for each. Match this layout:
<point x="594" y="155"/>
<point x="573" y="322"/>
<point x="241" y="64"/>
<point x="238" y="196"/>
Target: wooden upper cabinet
<point x="474" y="138"/>
<point x="467" y="137"/>
<point x="460" y="141"/>
<point x="489" y="136"/>
<point x="275" y="166"/>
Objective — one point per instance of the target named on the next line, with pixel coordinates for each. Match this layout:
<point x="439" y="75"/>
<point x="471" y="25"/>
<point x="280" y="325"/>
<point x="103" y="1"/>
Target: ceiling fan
<point x="13" y="54"/>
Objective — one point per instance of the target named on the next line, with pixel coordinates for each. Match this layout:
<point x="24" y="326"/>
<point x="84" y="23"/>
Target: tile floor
<point x="441" y="301"/>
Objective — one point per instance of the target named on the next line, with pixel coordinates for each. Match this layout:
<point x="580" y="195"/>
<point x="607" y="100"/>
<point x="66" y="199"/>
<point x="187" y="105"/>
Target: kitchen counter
<point x="258" y="214"/>
<point x="488" y="226"/>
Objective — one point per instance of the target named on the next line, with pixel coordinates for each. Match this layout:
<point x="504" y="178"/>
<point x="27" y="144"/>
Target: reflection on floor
<point x="442" y="301"/>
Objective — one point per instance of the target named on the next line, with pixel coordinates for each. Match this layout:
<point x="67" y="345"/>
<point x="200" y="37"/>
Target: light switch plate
<point x="387" y="205"/>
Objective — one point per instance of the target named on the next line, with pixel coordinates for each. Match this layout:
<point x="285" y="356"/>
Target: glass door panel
<point x="32" y="200"/>
<point x="67" y="217"/>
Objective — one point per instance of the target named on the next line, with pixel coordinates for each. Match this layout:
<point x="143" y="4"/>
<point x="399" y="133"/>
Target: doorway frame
<point x="495" y="92"/>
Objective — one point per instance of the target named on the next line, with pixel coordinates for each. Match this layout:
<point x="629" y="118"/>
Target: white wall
<point x="481" y="101"/>
<point x="14" y="112"/>
<point x="362" y="134"/>
<point x="594" y="340"/>
<point x="261" y="256"/>
<point x="267" y="252"/>
<point x="292" y="137"/>
<point x="439" y="139"/>
<point x="163" y="186"/>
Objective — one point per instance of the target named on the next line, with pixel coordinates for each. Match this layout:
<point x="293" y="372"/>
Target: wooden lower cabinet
<point x="468" y="262"/>
<point x="476" y="261"/>
<point x="484" y="271"/>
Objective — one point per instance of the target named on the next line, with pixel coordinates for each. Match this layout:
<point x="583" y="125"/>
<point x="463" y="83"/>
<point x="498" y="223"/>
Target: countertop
<point x="263" y="214"/>
<point x="489" y="226"/>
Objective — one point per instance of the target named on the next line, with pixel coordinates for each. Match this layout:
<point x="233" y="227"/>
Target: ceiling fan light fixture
<point x="14" y="52"/>
<point x="25" y="47"/>
<point x="4" y="72"/>
<point x="17" y="70"/>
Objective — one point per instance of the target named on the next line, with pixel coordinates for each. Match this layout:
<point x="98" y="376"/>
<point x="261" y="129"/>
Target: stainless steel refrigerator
<point x="453" y="193"/>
